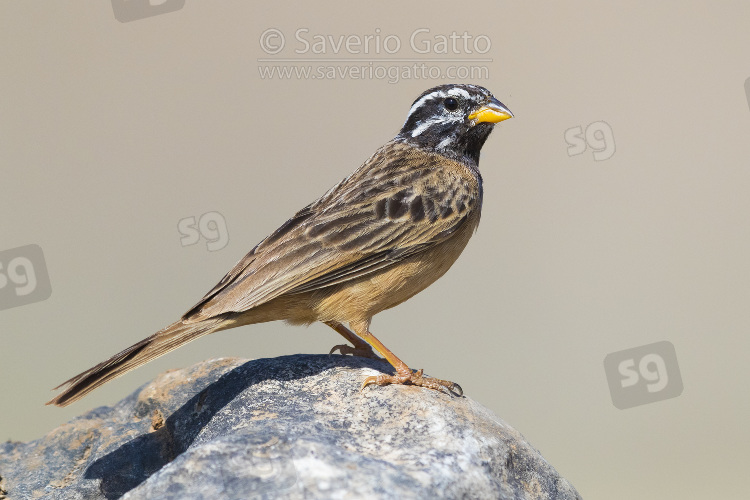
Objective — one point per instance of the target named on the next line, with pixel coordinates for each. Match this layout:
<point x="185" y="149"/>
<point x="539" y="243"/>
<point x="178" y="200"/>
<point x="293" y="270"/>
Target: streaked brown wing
<point x="386" y="211"/>
<point x="236" y="272"/>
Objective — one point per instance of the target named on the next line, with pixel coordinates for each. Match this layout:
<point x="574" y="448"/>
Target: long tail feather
<point x="161" y="342"/>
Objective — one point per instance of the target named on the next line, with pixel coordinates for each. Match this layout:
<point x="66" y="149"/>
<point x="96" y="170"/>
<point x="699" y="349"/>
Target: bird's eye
<point x="450" y="103"/>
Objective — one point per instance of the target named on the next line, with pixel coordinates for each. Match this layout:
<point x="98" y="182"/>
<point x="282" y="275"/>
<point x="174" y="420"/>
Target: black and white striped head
<point x="453" y="120"/>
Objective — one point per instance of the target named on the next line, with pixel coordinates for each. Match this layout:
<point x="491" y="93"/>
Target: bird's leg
<point x="361" y="348"/>
<point x="404" y="374"/>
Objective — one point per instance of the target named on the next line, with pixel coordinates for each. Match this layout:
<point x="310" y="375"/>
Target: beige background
<point x="113" y="132"/>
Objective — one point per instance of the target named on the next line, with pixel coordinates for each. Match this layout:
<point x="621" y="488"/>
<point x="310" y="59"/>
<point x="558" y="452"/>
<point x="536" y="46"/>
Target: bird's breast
<point x="361" y="300"/>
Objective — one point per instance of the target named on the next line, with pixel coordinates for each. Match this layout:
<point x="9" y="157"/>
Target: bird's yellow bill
<point x="491" y="113"/>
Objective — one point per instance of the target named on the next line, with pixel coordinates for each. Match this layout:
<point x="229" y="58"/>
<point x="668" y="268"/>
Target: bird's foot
<point x="414" y="378"/>
<point x="363" y="352"/>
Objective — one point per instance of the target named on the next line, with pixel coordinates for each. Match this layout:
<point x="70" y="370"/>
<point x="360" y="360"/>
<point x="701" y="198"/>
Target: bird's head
<point x="453" y="120"/>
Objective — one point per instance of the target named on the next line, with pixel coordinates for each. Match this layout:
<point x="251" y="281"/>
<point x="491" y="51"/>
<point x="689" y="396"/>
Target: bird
<point x="377" y="238"/>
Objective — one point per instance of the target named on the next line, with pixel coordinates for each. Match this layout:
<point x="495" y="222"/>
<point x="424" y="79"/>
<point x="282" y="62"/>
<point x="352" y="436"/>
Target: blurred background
<point x="146" y="147"/>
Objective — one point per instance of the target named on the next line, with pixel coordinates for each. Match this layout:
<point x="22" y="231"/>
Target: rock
<point x="289" y="427"/>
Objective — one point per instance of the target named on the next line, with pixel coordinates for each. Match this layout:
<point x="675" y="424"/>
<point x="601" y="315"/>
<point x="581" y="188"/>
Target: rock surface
<point x="289" y="427"/>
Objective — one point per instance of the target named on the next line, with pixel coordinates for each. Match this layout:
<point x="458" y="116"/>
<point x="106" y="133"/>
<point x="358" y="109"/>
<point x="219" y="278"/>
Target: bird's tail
<point x="161" y="342"/>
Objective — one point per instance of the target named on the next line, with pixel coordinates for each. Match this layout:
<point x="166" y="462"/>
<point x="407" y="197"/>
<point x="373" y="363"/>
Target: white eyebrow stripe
<point x="432" y="95"/>
<point x="459" y="91"/>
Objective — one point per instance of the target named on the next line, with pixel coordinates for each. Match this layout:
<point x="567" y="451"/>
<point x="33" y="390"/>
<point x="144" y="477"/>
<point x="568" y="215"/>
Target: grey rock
<point x="291" y="427"/>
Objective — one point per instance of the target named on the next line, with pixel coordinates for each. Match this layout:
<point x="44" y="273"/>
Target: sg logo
<point x="133" y="10"/>
<point x="210" y="225"/>
<point x="643" y="375"/>
<point x="23" y="277"/>
<point x="598" y="136"/>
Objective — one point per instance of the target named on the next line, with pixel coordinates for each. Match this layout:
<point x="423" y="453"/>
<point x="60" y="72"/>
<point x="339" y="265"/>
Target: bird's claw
<point x="345" y="349"/>
<point x="414" y="378"/>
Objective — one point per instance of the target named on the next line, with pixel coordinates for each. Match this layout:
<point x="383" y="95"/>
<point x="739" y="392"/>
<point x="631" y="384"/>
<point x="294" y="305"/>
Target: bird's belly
<point x="360" y="300"/>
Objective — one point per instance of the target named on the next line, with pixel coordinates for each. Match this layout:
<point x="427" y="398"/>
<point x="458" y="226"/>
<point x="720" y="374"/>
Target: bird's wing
<point x="393" y="207"/>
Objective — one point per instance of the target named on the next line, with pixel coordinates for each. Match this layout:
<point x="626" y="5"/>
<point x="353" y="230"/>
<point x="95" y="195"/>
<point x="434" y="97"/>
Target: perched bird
<point x="374" y="240"/>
